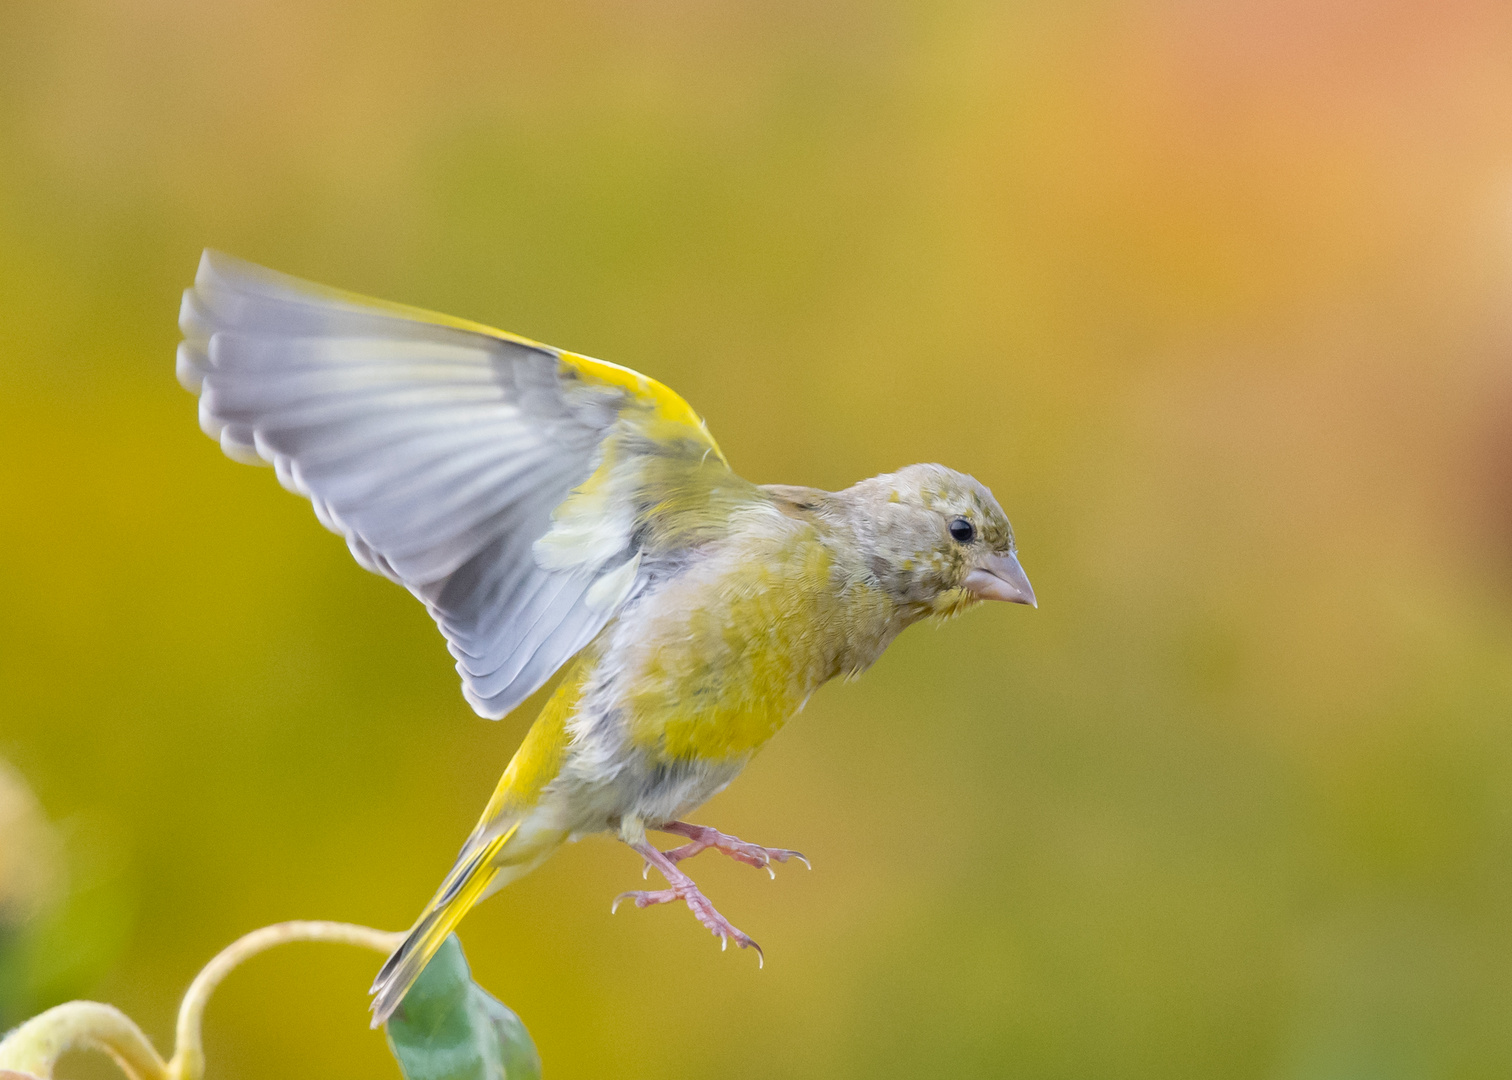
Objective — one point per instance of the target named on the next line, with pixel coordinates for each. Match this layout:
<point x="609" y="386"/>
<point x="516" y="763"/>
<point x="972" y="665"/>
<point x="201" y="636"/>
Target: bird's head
<point x="938" y="541"/>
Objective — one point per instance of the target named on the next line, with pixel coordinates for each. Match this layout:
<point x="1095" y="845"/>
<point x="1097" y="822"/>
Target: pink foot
<point x="684" y="889"/>
<point x="701" y="838"/>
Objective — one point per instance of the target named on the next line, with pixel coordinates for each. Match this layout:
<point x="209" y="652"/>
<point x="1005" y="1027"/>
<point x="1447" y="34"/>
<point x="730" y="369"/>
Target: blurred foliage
<point x="30" y="857"/>
<point x="64" y="908"/>
<point x="1214" y="297"/>
<point x="450" y="1028"/>
<point x="30" y="872"/>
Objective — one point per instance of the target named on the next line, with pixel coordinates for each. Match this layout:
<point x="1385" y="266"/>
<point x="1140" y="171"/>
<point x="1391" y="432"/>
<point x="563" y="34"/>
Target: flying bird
<point x="556" y="512"/>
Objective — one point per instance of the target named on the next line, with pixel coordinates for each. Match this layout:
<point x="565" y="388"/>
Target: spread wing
<point x="511" y="486"/>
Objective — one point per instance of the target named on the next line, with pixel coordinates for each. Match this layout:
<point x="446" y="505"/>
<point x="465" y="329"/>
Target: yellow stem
<point x="189" y="1056"/>
<point x="33" y="1048"/>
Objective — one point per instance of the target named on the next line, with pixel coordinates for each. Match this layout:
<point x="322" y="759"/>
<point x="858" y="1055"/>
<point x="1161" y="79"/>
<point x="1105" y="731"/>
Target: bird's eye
<point x="961" y="531"/>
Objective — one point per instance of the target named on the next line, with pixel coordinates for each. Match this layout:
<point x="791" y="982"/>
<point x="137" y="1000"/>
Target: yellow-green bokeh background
<point x="1217" y="297"/>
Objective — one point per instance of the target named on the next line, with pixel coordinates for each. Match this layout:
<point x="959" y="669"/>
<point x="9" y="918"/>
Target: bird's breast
<point x="715" y="661"/>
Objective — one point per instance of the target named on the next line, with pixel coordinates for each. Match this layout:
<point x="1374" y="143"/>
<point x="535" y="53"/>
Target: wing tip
<point x="216" y="267"/>
<point x="494" y="708"/>
<point x="190" y="366"/>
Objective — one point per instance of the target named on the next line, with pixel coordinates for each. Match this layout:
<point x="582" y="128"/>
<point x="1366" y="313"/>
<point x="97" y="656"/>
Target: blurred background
<point x="1217" y="297"/>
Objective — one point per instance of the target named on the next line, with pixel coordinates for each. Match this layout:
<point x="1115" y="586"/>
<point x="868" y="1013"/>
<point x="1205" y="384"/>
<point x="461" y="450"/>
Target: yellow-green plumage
<point x="553" y="510"/>
<point x="736" y="646"/>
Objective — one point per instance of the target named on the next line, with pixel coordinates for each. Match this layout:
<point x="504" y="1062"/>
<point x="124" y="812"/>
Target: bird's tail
<point x="467" y="883"/>
<point x="514" y="836"/>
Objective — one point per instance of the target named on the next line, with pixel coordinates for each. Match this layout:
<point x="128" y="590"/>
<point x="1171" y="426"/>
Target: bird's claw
<point x="760" y="857"/>
<point x="744" y="942"/>
<point x="644" y="898"/>
<point x="705" y="912"/>
<point x="701" y="838"/>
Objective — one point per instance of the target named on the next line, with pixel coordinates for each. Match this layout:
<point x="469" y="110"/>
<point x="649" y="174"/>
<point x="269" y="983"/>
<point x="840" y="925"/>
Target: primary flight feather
<point x="552" y="510"/>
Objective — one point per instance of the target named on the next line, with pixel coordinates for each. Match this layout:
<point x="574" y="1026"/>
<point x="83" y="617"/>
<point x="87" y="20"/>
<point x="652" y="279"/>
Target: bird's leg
<point x="684" y="889"/>
<point x="701" y="838"/>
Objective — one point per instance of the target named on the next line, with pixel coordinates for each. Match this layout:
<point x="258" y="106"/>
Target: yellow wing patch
<point x="665" y="403"/>
<point x="539" y="758"/>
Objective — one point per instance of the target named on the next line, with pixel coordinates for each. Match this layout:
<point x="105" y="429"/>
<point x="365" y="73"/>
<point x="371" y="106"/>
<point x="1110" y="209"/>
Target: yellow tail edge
<point x="463" y="888"/>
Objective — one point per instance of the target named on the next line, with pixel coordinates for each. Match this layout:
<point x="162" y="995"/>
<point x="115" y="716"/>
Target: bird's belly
<point x="668" y="790"/>
<point x="728" y="730"/>
<point x="596" y="793"/>
<point x="664" y="770"/>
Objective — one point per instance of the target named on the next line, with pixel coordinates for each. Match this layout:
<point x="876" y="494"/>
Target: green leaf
<point x="450" y="1028"/>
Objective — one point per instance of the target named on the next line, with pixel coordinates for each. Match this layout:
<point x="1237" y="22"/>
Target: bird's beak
<point x="1000" y="577"/>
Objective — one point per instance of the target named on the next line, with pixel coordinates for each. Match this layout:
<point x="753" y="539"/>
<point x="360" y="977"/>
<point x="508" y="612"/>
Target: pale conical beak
<point x="1000" y="577"/>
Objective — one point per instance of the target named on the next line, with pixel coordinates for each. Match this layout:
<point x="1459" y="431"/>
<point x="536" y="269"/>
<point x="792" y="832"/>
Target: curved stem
<point x="35" y="1046"/>
<point x="189" y="1055"/>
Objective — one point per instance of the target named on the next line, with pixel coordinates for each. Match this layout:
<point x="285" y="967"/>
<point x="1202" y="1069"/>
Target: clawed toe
<point x="724" y="930"/>
<point x="644" y="898"/>
<point x="761" y="857"/>
<point x="784" y="854"/>
<point x="683" y="888"/>
<point x="702" y="838"/>
<point x="745" y="942"/>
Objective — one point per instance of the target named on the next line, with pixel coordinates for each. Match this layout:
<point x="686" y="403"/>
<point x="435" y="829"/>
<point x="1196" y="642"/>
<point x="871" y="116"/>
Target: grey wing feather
<point x="438" y="451"/>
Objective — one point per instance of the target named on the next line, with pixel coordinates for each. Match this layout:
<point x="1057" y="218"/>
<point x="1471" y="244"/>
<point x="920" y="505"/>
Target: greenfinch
<point x="554" y="512"/>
